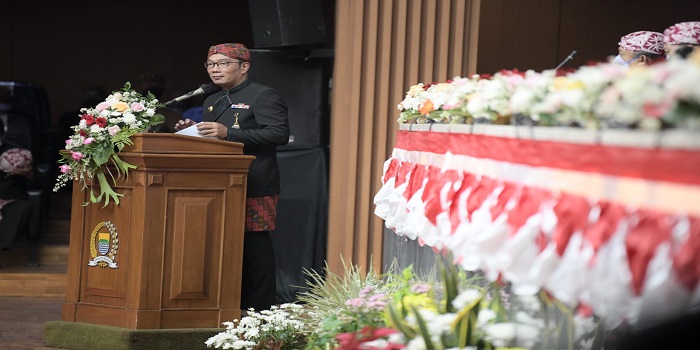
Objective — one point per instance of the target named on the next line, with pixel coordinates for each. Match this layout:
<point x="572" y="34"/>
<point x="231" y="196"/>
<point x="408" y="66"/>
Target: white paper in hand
<point x="189" y="131"/>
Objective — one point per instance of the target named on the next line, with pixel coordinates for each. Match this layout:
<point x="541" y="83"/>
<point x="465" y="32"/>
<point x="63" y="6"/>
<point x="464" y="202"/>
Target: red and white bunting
<point x="612" y="228"/>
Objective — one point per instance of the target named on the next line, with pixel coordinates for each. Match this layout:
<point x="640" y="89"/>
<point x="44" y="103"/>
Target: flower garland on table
<point x="604" y="95"/>
<point x="102" y="132"/>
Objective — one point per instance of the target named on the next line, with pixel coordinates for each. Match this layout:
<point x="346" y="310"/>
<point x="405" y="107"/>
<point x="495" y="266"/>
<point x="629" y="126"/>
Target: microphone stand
<point x="567" y="59"/>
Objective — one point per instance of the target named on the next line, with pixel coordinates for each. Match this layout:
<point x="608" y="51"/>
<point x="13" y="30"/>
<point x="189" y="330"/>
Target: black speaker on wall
<point x="280" y="23"/>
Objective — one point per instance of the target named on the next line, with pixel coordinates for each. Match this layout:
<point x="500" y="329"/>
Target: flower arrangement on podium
<point x="101" y="133"/>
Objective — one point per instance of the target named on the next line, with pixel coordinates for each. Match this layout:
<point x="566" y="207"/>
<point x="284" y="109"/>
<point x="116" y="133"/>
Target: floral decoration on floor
<point x="101" y="133"/>
<point x="443" y="310"/>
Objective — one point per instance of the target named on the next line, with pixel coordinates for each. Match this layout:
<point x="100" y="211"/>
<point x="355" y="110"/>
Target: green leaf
<point x="106" y="191"/>
<point x="101" y="154"/>
<point x="157" y="119"/>
<point x="423" y="329"/>
<point x="399" y="323"/>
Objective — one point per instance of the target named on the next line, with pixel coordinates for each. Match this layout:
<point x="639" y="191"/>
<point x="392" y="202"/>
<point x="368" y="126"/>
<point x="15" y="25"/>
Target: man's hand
<point x="212" y="129"/>
<point x="182" y="124"/>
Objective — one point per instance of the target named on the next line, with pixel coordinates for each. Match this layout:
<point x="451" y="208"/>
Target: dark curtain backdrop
<point x="300" y="238"/>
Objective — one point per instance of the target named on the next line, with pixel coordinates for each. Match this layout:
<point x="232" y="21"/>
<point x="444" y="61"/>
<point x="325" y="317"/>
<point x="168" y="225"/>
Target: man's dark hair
<point x="684" y="51"/>
<point x="653" y="57"/>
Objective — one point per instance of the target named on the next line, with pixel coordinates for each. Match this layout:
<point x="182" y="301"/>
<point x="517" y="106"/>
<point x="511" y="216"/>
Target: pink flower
<point x="364" y="291"/>
<point x="65" y="168"/>
<point x="420" y="288"/>
<point x="102" y="106"/>
<point x="113" y="130"/>
<point x="137" y="107"/>
<point x="76" y="155"/>
<point x="376" y="297"/>
<point x="68" y="141"/>
<point x="377" y="305"/>
<point x="88" y="141"/>
<point x="357" y="302"/>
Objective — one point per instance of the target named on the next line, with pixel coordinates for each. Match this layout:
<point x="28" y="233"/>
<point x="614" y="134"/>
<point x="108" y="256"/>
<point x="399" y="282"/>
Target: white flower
<point x="485" y="316"/>
<point x="525" y="318"/>
<point x="94" y="128"/>
<point x="417" y="343"/>
<point x="465" y="298"/>
<point x="129" y="118"/>
<point x="504" y="334"/>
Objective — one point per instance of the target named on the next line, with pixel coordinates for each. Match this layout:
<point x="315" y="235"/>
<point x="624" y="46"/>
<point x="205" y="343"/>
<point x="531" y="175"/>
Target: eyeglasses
<point x="224" y="64"/>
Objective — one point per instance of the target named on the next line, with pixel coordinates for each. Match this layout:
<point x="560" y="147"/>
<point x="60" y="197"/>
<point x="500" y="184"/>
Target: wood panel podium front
<point x="170" y="254"/>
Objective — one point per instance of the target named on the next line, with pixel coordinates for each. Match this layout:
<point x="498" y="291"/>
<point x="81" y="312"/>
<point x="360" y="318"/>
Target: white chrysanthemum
<point x="129" y="118"/>
<point x="94" y="129"/>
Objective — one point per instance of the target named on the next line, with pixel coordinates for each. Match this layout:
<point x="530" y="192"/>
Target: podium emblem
<point x="104" y="245"/>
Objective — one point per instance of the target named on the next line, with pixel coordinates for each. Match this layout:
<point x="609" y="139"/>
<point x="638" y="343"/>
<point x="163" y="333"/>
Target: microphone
<point x="567" y="59"/>
<point x="207" y="88"/>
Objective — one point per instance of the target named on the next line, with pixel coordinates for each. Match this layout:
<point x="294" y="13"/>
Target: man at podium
<point x="255" y="115"/>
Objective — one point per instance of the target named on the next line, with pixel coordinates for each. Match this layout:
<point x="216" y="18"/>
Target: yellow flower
<point x="420" y="301"/>
<point x="442" y="87"/>
<point x="120" y="106"/>
<point x="415" y="90"/>
<point x="563" y="83"/>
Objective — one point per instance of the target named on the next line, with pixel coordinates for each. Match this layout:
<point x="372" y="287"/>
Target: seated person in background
<point x="15" y="174"/>
<point x="640" y="48"/>
<point x="679" y="35"/>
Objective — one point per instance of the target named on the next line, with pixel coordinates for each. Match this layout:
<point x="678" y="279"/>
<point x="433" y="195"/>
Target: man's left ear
<point x="643" y="59"/>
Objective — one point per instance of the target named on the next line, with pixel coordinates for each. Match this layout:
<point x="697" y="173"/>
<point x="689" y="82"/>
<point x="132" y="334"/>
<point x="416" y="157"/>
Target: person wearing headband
<point x="640" y="48"/>
<point x="255" y="115"/>
<point x="15" y="175"/>
<point x="681" y="35"/>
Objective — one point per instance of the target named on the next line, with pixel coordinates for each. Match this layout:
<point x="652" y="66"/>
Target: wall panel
<point x="382" y="48"/>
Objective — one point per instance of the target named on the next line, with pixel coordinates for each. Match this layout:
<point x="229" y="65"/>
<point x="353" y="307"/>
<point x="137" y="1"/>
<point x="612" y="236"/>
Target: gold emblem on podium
<point x="104" y="245"/>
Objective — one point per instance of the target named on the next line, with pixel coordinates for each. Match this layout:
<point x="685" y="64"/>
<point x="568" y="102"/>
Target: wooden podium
<point x="169" y="255"/>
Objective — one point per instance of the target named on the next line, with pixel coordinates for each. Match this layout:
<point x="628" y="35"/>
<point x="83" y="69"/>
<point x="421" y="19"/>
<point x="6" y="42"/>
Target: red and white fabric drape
<point x="614" y="228"/>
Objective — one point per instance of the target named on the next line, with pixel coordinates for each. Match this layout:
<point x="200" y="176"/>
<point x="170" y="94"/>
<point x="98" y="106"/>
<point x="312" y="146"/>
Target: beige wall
<point x="538" y="34"/>
<point x="382" y="48"/>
